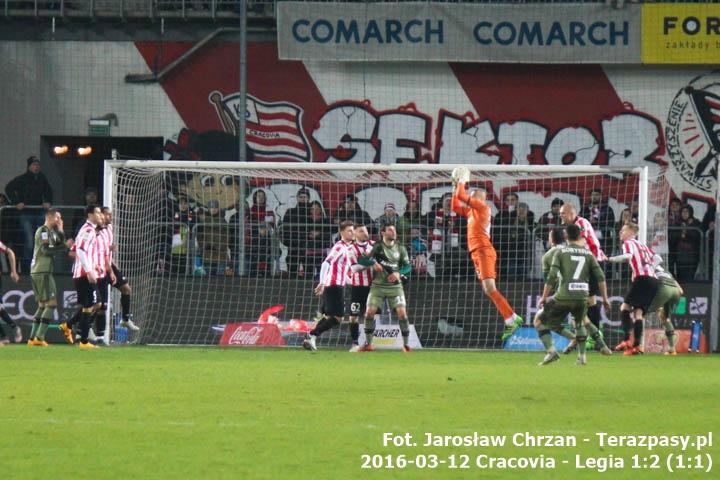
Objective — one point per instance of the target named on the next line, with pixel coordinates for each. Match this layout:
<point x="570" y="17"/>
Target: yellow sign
<point x="681" y="33"/>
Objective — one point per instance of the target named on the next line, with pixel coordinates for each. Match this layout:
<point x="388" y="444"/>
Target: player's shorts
<point x="102" y="289"/>
<point x="484" y="259"/>
<point x="43" y="285"/>
<point x="554" y="313"/>
<point x="642" y="291"/>
<point x="120" y="278"/>
<point x="86" y="292"/>
<point x="358" y="300"/>
<point x="333" y="301"/>
<point x="394" y="294"/>
<point x="667" y="298"/>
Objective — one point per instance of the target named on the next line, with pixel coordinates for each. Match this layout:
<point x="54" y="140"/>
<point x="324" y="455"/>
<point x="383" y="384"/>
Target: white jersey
<point x="86" y="240"/>
<point x="339" y="261"/>
<point x="641" y="260"/>
<point x="356" y="250"/>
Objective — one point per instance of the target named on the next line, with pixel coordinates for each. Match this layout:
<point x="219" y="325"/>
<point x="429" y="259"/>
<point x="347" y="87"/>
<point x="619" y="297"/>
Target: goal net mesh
<point x="208" y="246"/>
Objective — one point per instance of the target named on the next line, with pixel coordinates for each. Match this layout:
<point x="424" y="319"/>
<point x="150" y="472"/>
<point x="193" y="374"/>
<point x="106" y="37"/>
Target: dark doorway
<point x="70" y="174"/>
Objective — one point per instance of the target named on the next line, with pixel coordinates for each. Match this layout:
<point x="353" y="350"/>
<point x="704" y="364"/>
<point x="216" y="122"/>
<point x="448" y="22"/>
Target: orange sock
<point x="501" y="304"/>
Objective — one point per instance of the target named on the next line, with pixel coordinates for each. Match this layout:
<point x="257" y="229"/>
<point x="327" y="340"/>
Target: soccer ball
<point x="460" y="174"/>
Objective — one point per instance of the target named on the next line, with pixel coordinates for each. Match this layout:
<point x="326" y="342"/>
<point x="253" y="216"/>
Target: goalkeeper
<point x="390" y="263"/>
<point x="482" y="252"/>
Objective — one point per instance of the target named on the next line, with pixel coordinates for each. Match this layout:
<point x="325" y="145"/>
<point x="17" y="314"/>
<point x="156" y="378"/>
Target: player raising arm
<point x="390" y="262"/>
<point x="573" y="268"/>
<point x="477" y="211"/>
<point x="333" y="276"/>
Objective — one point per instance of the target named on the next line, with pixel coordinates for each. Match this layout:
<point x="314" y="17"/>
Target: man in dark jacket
<point x="31" y="189"/>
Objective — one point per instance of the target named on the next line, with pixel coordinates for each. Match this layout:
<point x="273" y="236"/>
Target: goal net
<point x="205" y="244"/>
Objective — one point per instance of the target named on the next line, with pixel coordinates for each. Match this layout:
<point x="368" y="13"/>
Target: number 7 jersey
<point x="570" y="273"/>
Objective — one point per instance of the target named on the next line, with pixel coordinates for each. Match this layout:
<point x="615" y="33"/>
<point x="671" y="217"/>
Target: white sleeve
<point x="657" y="260"/>
<point x="620" y="258"/>
<point x="356" y="267"/>
<point x="324" y="270"/>
<point x="84" y="260"/>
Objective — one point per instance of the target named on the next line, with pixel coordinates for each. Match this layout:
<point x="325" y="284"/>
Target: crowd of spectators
<point x="203" y="239"/>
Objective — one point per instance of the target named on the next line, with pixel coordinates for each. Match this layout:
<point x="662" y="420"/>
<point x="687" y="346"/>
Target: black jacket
<point x="30" y="189"/>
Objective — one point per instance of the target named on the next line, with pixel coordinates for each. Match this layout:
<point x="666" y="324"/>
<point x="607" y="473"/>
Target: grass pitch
<point x="273" y="414"/>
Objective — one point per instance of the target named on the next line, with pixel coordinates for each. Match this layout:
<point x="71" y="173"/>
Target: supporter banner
<point x="252" y="335"/>
<point x="454" y="32"/>
<point x="526" y="339"/>
<point x="681" y="33"/>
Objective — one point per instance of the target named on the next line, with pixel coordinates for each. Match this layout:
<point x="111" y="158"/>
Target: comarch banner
<point x="576" y="33"/>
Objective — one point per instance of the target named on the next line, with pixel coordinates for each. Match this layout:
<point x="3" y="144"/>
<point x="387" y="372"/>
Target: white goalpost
<point x="210" y="243"/>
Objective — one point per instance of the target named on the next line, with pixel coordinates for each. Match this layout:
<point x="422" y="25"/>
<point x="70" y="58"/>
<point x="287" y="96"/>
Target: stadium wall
<point x="458" y="306"/>
<point x="352" y="112"/>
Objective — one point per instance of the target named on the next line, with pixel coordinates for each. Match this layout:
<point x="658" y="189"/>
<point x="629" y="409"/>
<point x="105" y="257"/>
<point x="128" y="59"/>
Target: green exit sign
<point x="99" y="128"/>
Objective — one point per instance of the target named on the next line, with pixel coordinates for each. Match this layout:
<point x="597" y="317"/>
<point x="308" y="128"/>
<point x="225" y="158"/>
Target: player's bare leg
<point x="512" y="320"/>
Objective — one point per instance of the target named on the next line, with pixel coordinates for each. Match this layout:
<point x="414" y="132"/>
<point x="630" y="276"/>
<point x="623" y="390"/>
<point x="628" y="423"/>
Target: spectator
<point x="412" y="215"/>
<point x="262" y="225"/>
<point x="709" y="229"/>
<point x="601" y="217"/>
<point x="389" y="217"/>
<point x="213" y="238"/>
<point x="449" y="237"/>
<point x="549" y="220"/>
<point x="658" y="234"/>
<point x="31" y="189"/>
<point x="674" y="228"/>
<point x="688" y="246"/>
<point x="183" y="222"/>
<point x="318" y="238"/>
<point x="294" y="230"/>
<point x="517" y="248"/>
<point x="508" y="212"/>
<point x="418" y="251"/>
<point x="350" y="210"/>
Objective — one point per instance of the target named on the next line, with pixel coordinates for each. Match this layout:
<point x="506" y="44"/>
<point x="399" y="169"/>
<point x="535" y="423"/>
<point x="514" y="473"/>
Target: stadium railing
<point x="213" y="9"/>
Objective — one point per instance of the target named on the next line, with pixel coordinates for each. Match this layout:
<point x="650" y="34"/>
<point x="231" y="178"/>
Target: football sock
<point x="405" y="330"/>
<point x="638" y="332"/>
<point x="567" y="334"/>
<point x="581" y="337"/>
<point x="627" y="324"/>
<point x="545" y="337"/>
<point x="670" y="334"/>
<point x="36" y="323"/>
<point x="502" y="305"/>
<point x="354" y="332"/>
<point x="595" y="335"/>
<point x="125" y="306"/>
<point x="85" y="321"/>
<point x="324" y="325"/>
<point x="593" y="314"/>
<point x="369" y="330"/>
<point x="4" y="315"/>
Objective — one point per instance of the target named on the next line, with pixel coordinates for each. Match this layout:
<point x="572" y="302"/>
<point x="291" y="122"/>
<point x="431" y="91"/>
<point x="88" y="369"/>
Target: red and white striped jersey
<point x="356" y="250"/>
<point x="339" y="260"/>
<point x="110" y="234"/>
<point x="641" y="261"/>
<point x="3" y="248"/>
<point x="588" y="233"/>
<point x="102" y="252"/>
<point x="85" y="241"/>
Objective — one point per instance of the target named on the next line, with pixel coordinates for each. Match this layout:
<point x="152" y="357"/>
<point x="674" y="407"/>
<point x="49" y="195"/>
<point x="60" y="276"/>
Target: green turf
<point x="234" y="413"/>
